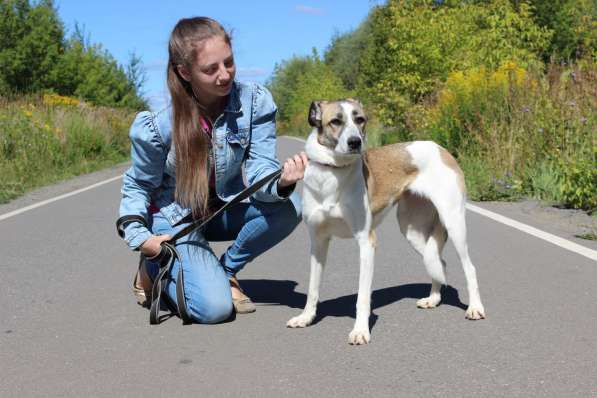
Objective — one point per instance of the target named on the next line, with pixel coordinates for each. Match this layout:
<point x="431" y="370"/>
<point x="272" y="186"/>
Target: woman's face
<point x="212" y="73"/>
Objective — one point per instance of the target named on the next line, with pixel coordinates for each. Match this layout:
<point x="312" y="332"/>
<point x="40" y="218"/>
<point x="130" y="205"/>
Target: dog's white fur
<point x="338" y="199"/>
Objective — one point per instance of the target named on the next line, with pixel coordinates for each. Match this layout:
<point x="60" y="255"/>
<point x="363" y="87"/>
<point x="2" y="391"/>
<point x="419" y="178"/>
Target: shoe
<point x="242" y="305"/>
<point x="142" y="284"/>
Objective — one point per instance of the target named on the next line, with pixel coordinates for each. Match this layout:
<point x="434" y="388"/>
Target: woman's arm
<point x="148" y="156"/>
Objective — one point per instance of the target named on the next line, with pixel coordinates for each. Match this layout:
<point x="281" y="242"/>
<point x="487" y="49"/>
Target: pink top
<point x="212" y="174"/>
<point x="206" y="126"/>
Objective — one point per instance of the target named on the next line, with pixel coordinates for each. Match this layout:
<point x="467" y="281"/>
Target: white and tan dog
<point x="347" y="191"/>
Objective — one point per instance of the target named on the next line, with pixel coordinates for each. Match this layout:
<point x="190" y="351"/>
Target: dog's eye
<point x="336" y="122"/>
<point x="360" y="120"/>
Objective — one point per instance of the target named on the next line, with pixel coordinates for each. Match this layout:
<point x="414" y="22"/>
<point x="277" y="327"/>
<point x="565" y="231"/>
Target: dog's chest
<point x="334" y="197"/>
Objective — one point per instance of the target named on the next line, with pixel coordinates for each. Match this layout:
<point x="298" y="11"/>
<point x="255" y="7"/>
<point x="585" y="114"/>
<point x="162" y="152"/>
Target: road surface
<point x="69" y="325"/>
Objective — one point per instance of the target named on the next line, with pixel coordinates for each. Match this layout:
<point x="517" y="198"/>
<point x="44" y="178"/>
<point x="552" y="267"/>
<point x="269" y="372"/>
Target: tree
<point x="297" y="82"/>
<point x="574" y="26"/>
<point x="344" y="53"/>
<point x="30" y="44"/>
<point x="34" y="57"/>
<point x="415" y="44"/>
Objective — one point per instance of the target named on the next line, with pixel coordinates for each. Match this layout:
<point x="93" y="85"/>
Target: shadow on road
<point x="282" y="292"/>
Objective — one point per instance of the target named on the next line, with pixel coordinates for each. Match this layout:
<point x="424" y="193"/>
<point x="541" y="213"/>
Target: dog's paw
<point x="359" y="336"/>
<point x="475" y="312"/>
<point x="300" y="321"/>
<point x="429" y="302"/>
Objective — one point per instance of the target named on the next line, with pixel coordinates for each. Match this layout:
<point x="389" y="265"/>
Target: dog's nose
<point x="354" y="143"/>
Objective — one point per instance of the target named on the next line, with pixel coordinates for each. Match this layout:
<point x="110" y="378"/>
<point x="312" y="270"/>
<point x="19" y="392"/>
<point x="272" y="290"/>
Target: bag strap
<point x="237" y="199"/>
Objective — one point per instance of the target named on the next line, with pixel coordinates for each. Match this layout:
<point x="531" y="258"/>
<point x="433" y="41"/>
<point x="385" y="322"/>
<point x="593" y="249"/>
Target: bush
<point x="579" y="183"/>
<point x="529" y="129"/>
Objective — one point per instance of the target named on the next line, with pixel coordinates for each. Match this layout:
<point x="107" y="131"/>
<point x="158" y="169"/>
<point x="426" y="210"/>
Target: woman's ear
<point x="184" y="72"/>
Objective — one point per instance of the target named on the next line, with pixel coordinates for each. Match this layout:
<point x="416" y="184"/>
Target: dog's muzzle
<point x="354" y="144"/>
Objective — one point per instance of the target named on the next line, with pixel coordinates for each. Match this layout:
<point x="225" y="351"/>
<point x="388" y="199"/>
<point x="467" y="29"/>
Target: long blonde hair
<point x="189" y="139"/>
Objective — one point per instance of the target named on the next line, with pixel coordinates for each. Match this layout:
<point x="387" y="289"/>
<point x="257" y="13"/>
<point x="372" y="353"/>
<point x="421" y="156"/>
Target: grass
<point x="587" y="236"/>
<point x="47" y="139"/>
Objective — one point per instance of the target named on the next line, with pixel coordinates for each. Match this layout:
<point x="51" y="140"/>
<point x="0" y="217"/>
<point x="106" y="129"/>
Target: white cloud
<point x="309" y="10"/>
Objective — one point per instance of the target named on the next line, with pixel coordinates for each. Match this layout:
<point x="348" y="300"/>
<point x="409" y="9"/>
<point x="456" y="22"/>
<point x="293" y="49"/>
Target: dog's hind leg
<point x="319" y="250"/>
<point x="452" y="216"/>
<point x="420" y="225"/>
<point x="434" y="265"/>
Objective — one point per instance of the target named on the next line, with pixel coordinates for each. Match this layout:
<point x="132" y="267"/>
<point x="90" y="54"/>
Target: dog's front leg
<point x="319" y="250"/>
<point x="360" y="333"/>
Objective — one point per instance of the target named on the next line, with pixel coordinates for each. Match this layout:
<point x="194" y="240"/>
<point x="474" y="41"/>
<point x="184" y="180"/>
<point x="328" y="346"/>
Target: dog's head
<point x="340" y="125"/>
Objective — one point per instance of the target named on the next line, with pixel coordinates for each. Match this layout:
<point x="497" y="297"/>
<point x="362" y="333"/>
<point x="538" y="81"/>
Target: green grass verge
<point x="43" y="142"/>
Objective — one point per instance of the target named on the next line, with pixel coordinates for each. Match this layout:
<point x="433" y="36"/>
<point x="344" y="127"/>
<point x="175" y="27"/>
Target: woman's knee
<point x="209" y="309"/>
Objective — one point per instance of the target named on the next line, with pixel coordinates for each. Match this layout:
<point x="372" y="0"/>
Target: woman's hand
<point x="294" y="170"/>
<point x="152" y="246"/>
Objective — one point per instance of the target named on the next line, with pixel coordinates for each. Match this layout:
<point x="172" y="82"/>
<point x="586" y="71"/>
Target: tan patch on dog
<point x="329" y="133"/>
<point x="372" y="238"/>
<point x="449" y="161"/>
<point x="388" y="171"/>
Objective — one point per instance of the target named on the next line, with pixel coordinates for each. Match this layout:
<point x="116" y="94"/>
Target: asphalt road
<point x="69" y="325"/>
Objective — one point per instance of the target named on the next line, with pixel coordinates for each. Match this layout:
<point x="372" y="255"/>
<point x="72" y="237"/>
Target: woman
<point x="213" y="127"/>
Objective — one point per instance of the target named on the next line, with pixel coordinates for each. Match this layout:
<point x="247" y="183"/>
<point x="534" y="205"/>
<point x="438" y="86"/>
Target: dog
<point x="347" y="192"/>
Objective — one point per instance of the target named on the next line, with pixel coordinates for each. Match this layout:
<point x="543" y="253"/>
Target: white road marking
<point x="47" y="201"/>
<point x="556" y="240"/>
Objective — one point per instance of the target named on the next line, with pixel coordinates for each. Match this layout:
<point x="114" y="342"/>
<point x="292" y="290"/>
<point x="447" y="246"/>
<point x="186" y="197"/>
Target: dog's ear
<point x="315" y="114"/>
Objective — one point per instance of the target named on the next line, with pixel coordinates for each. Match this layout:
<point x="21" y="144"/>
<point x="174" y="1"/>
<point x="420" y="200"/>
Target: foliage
<point x="344" y="53"/>
<point x="35" y="57"/>
<point x="579" y="182"/>
<point x="508" y="86"/>
<point x="298" y="82"/>
<point x="574" y="26"/>
<point x="532" y="131"/>
<point x="30" y="45"/>
<point x="414" y="45"/>
<point x="43" y="140"/>
<point x="91" y="73"/>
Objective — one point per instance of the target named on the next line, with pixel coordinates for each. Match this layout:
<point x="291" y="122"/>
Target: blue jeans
<point x="254" y="227"/>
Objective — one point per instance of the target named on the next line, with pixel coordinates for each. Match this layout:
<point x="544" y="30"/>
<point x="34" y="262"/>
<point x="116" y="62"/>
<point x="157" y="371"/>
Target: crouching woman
<point x="187" y="161"/>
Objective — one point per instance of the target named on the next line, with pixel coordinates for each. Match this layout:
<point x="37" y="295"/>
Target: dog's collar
<point x="335" y="166"/>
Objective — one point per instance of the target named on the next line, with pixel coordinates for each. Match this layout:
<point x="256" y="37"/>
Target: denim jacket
<point x="244" y="134"/>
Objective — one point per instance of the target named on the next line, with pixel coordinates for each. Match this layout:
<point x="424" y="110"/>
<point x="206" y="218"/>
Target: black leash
<point x="169" y="254"/>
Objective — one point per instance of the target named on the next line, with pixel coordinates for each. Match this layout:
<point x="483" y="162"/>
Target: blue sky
<point x="264" y="32"/>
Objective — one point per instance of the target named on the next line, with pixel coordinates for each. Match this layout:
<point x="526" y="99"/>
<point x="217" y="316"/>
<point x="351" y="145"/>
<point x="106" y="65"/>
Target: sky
<point x="264" y="32"/>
